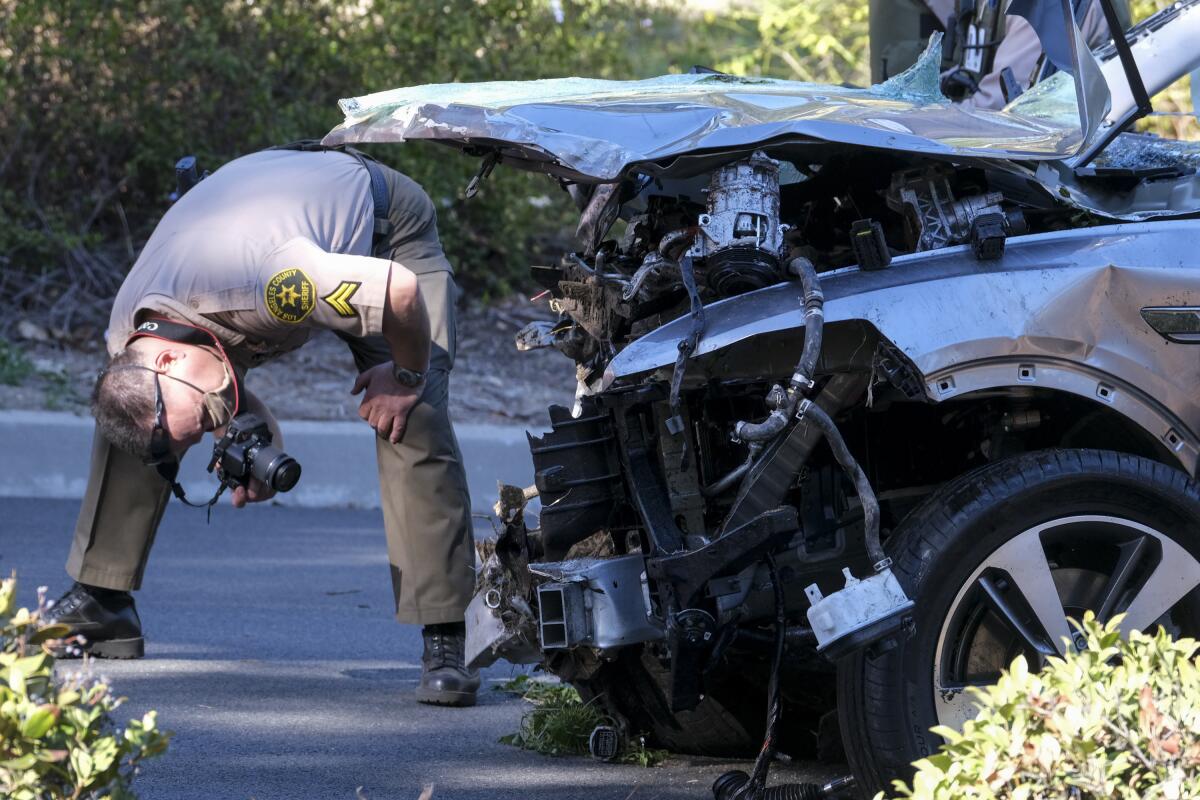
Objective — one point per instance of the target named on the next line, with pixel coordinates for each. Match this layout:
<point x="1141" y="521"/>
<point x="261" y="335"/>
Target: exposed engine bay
<point x="741" y="225"/>
<point x="714" y="518"/>
<point x="670" y="506"/>
<point x="815" y="329"/>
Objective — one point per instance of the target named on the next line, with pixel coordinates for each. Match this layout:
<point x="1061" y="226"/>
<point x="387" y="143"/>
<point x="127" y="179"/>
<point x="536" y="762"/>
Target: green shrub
<point x="560" y="723"/>
<point x="57" y="737"/>
<point x="15" y="366"/>
<point x="1118" y="719"/>
<point x="101" y="97"/>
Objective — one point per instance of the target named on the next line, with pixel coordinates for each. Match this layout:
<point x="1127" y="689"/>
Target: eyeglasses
<point x="163" y="460"/>
<point x="160" y="443"/>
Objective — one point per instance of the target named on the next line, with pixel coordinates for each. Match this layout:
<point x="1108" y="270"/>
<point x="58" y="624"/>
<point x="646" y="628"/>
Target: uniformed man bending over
<point x="248" y="263"/>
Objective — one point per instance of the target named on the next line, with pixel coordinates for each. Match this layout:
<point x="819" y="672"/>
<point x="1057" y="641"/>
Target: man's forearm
<point x="405" y="321"/>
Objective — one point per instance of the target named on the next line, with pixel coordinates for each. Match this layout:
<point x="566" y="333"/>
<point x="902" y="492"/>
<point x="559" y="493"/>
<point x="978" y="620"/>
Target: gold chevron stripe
<point x="339" y="299"/>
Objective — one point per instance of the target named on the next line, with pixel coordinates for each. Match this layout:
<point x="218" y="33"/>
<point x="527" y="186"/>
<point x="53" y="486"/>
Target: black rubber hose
<point x="802" y="376"/>
<point x="814" y="324"/>
<point x="756" y="784"/>
<point x="763" y="431"/>
<point x="734" y="476"/>
<point x="730" y="480"/>
<point x="726" y="785"/>
<point x="794" y="636"/>
<point x="866" y="495"/>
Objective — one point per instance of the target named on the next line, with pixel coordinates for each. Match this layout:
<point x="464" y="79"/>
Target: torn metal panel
<point x="500" y="622"/>
<point x="1137" y="177"/>
<point x="599" y="130"/>
<point x="1165" y="197"/>
<point x="600" y="603"/>
<point x="493" y="633"/>
<point x="1072" y="297"/>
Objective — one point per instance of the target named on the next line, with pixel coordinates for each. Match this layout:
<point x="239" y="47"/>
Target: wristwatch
<point x="408" y="377"/>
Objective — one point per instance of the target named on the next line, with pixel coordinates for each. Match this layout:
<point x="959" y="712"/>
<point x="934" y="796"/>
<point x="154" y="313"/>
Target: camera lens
<point x="287" y="474"/>
<point x="276" y="468"/>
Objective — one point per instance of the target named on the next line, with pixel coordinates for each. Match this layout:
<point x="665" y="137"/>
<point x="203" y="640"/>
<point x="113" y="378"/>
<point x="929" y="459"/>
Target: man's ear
<point x="168" y="358"/>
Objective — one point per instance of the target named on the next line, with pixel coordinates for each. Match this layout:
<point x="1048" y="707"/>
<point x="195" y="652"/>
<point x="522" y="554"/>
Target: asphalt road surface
<point x="273" y="656"/>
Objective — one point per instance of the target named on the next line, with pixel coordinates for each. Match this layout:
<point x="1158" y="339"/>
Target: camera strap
<point x="169" y="471"/>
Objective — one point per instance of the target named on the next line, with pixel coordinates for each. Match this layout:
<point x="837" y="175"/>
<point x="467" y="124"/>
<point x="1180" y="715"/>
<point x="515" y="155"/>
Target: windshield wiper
<point x="1137" y="86"/>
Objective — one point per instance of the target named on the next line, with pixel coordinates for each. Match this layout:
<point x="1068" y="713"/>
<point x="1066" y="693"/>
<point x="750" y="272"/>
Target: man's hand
<point x="256" y="492"/>
<point x="386" y="404"/>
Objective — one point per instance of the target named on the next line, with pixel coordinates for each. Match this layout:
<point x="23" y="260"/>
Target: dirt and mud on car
<point x="875" y="392"/>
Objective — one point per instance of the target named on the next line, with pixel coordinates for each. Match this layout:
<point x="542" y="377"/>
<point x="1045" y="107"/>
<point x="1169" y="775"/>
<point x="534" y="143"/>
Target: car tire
<point x="1114" y="533"/>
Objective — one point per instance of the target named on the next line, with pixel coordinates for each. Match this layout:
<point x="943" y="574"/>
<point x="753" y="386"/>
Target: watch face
<point x="408" y="377"/>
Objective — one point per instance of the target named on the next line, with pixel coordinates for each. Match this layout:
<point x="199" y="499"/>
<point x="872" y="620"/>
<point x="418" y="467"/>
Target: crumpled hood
<point x="597" y="130"/>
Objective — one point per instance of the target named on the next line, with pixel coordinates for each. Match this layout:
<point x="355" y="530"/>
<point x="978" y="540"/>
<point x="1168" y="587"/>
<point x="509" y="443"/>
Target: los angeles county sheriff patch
<point x="290" y="296"/>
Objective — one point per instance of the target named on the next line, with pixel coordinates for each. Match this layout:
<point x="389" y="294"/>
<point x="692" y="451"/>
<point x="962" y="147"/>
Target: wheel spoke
<point x="1176" y="574"/>
<point x="1128" y="561"/>
<point x="999" y="603"/>
<point x="1024" y="559"/>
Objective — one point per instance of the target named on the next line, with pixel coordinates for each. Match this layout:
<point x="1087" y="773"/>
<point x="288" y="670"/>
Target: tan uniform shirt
<point x="1020" y="49"/>
<point x="267" y="248"/>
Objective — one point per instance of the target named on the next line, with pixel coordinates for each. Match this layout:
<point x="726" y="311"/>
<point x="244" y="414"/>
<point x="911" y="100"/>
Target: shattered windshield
<point x="1140" y="151"/>
<point x="1052" y="100"/>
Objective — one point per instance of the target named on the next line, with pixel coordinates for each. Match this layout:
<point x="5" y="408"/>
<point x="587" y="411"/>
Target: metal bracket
<point x="485" y="169"/>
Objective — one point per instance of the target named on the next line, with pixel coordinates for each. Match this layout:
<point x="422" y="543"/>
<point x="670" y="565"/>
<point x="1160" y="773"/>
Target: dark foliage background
<point x="100" y="97"/>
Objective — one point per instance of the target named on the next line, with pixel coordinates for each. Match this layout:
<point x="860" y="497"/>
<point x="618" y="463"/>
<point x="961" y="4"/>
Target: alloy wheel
<point x="1022" y="597"/>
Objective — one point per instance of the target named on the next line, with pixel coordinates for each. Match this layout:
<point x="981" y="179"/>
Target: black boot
<point x="106" y="619"/>
<point x="445" y="679"/>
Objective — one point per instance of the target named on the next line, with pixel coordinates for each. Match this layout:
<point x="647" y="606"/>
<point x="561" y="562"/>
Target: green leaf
<point x="39" y="722"/>
<point x="33" y="665"/>
<point x="50" y="632"/>
<point x="81" y="762"/>
<point x="70" y="747"/>
<point x="104" y="753"/>
<point x="16" y="679"/>
<point x="20" y="763"/>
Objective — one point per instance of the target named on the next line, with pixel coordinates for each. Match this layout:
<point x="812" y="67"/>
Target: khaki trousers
<point x="423" y="488"/>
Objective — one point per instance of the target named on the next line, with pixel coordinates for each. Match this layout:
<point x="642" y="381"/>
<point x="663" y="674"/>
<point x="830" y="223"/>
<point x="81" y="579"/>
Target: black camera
<point x="245" y="452"/>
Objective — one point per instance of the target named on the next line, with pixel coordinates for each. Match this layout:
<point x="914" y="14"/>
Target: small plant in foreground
<point x="59" y="389"/>
<point x="560" y="723"/>
<point x="57" y="737"/>
<point x="1118" y="719"/>
<point x="15" y="366"/>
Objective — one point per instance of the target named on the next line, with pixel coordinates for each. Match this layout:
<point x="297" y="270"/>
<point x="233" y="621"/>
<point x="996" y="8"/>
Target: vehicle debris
<point x="863" y="377"/>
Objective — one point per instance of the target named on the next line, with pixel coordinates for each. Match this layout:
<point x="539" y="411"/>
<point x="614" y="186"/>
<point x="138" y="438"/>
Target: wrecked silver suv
<point x="875" y="392"/>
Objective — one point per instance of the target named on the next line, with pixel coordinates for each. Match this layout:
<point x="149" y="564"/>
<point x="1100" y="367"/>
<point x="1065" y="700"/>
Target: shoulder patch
<point x="290" y="296"/>
<point x="339" y="299"/>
